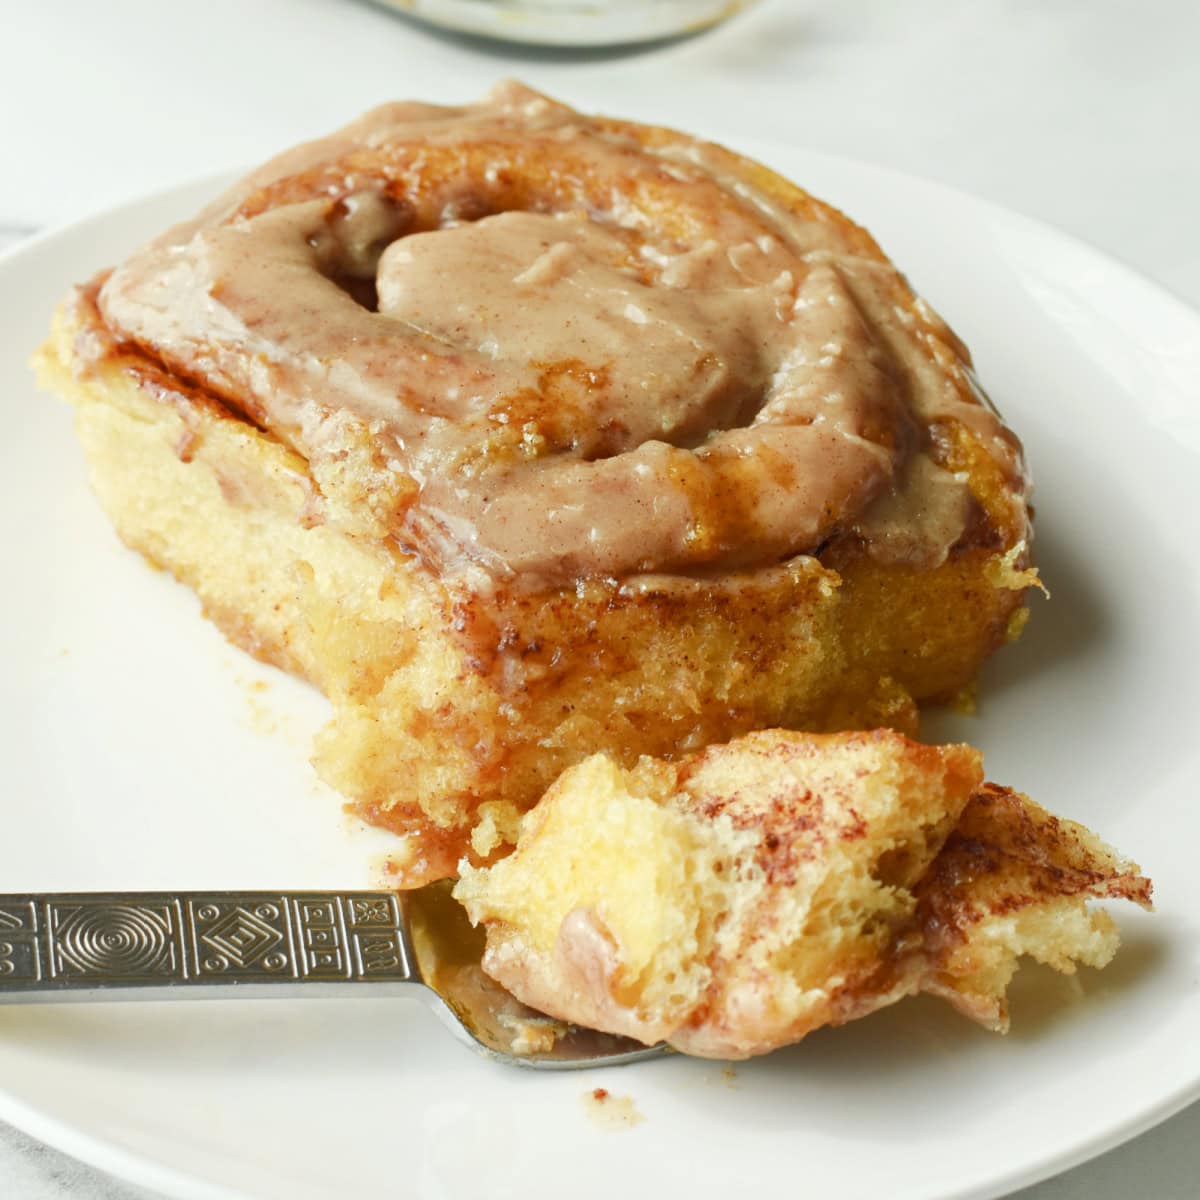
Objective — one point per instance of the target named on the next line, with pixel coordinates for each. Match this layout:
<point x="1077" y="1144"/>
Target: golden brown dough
<point x="733" y="901"/>
<point x="374" y="490"/>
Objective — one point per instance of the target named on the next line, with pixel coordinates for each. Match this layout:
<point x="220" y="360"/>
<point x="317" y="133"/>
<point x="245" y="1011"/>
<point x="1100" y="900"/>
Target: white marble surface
<point x="1082" y="114"/>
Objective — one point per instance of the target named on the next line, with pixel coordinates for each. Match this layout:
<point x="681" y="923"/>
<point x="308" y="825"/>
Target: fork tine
<point x="447" y="951"/>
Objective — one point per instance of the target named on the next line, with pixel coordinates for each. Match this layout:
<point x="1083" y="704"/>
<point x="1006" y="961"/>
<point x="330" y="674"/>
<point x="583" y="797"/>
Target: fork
<point x="88" y="946"/>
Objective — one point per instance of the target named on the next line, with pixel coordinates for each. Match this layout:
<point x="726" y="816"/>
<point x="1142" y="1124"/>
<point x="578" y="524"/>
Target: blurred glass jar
<point x="571" y="22"/>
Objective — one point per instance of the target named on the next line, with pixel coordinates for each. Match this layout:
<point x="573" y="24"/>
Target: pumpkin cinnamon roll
<point x="526" y="435"/>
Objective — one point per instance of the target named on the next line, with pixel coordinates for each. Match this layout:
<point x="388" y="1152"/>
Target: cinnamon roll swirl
<point x="526" y="434"/>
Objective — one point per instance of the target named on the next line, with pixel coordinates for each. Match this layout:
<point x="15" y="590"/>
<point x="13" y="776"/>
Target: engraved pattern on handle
<point x="109" y="942"/>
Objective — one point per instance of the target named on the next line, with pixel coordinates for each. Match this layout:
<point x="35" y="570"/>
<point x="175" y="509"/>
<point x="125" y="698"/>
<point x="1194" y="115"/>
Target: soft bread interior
<point x="734" y="901"/>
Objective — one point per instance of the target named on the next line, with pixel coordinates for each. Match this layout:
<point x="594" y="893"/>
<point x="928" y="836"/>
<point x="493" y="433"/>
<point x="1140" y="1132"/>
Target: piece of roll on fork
<point x="733" y="901"/>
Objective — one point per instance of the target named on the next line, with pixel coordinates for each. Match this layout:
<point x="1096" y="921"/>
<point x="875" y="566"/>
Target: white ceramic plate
<point x="140" y="751"/>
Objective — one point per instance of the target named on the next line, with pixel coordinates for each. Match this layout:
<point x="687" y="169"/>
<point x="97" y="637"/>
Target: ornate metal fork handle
<point x="95" y="946"/>
<point x="188" y="945"/>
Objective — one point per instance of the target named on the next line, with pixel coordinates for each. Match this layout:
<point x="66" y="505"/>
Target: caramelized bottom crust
<point x="454" y="711"/>
<point x="733" y="901"/>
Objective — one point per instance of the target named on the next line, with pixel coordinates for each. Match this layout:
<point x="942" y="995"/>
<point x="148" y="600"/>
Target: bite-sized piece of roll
<point x="526" y="435"/>
<point x="734" y="901"/>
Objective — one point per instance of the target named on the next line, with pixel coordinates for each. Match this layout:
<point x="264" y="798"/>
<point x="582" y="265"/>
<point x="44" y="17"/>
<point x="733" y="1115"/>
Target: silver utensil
<point x="199" y="945"/>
